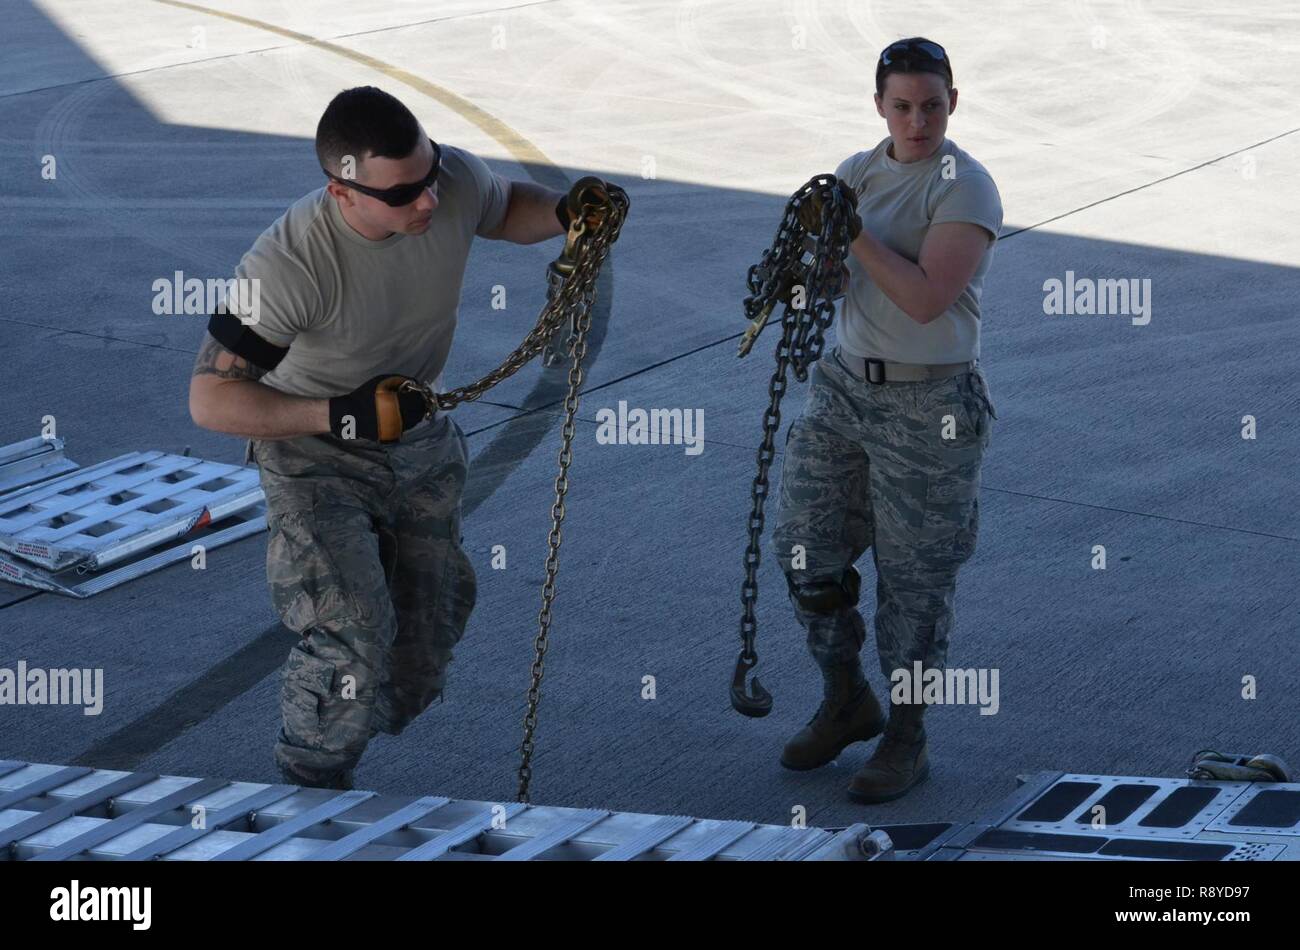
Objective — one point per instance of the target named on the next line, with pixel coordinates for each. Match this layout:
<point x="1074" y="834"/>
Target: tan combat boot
<point x="899" y="762"/>
<point x="848" y="714"/>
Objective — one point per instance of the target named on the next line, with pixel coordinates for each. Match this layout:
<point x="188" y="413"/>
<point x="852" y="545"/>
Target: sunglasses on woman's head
<point x="398" y="195"/>
<point x="905" y="48"/>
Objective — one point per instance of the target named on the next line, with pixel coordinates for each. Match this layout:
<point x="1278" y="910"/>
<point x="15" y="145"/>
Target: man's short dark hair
<point x="365" y="122"/>
<point x="912" y="61"/>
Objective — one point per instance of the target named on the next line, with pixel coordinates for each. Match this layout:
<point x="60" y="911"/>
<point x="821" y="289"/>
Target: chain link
<point x="570" y="299"/>
<point x="571" y="281"/>
<point x="797" y="264"/>
<point x="553" y="540"/>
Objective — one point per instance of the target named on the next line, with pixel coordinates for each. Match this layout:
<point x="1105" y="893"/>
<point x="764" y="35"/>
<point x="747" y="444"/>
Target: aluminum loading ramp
<point x="105" y="513"/>
<point x="83" y="531"/>
<point x="54" y="813"/>
<point x="58" y="813"/>
<point x="79" y="582"/>
<point x="30" y="461"/>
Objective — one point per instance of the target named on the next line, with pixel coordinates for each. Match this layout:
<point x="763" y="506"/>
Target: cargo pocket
<point x="308" y="681"/>
<point x="981" y="387"/>
<point x="456" y="597"/>
<point x="979" y="391"/>
<point x="951" y="521"/>
<point x="976" y="408"/>
<point x="954" y="397"/>
<point x="307" y="587"/>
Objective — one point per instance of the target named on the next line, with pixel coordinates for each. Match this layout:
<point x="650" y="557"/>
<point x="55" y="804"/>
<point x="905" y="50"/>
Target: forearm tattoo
<point x="215" y="360"/>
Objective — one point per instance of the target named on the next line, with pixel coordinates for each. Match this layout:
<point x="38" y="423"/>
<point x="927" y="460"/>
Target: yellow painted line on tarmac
<point x="520" y="148"/>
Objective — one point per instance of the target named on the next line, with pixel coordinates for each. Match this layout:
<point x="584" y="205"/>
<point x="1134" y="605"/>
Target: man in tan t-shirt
<point x="357" y="287"/>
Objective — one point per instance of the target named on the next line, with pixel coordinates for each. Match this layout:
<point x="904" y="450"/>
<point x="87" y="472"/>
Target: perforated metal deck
<point x="76" y="581"/>
<point x="51" y="812"/>
<point x="85" y="531"/>
<point x="106" y="513"/>
<point x="55" y="813"/>
<point x="1058" y="816"/>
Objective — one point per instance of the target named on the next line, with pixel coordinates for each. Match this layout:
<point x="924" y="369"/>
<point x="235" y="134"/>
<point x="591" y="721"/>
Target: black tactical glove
<point x="375" y="410"/>
<point x="811" y="211"/>
<point x="588" y="190"/>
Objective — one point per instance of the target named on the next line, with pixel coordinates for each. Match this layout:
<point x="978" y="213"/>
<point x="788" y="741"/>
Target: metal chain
<point x="553" y="548"/>
<point x="570" y="298"/>
<point x="797" y="263"/>
<point x="571" y="283"/>
<point x="578" y="292"/>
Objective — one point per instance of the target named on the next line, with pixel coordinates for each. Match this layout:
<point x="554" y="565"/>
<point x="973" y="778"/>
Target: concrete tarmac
<point x="1151" y="142"/>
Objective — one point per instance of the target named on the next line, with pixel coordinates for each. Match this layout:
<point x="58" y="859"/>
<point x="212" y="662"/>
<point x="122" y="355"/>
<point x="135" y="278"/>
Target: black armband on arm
<point x="228" y="330"/>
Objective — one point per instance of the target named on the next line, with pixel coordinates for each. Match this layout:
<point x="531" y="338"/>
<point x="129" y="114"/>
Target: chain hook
<point x="756" y="704"/>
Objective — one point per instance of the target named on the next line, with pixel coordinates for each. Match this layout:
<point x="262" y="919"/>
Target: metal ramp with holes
<point x="30" y="461"/>
<point x="87" y="530"/>
<point x="53" y="813"/>
<point x="1058" y="816"/>
<point x="58" y="813"/>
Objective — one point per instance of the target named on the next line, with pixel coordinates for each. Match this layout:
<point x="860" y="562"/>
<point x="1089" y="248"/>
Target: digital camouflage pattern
<point x="867" y="466"/>
<point x="365" y="563"/>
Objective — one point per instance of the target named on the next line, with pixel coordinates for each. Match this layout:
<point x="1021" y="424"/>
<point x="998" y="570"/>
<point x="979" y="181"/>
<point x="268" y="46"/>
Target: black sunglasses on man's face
<point x="398" y="195"/>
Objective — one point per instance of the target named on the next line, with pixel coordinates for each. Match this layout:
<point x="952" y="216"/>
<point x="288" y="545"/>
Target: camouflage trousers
<point x="893" y="467"/>
<point x="364" y="562"/>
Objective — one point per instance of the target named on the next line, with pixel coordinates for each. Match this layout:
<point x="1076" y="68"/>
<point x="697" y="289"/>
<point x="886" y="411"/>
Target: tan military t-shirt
<point x="349" y="308"/>
<point x="898" y="203"/>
